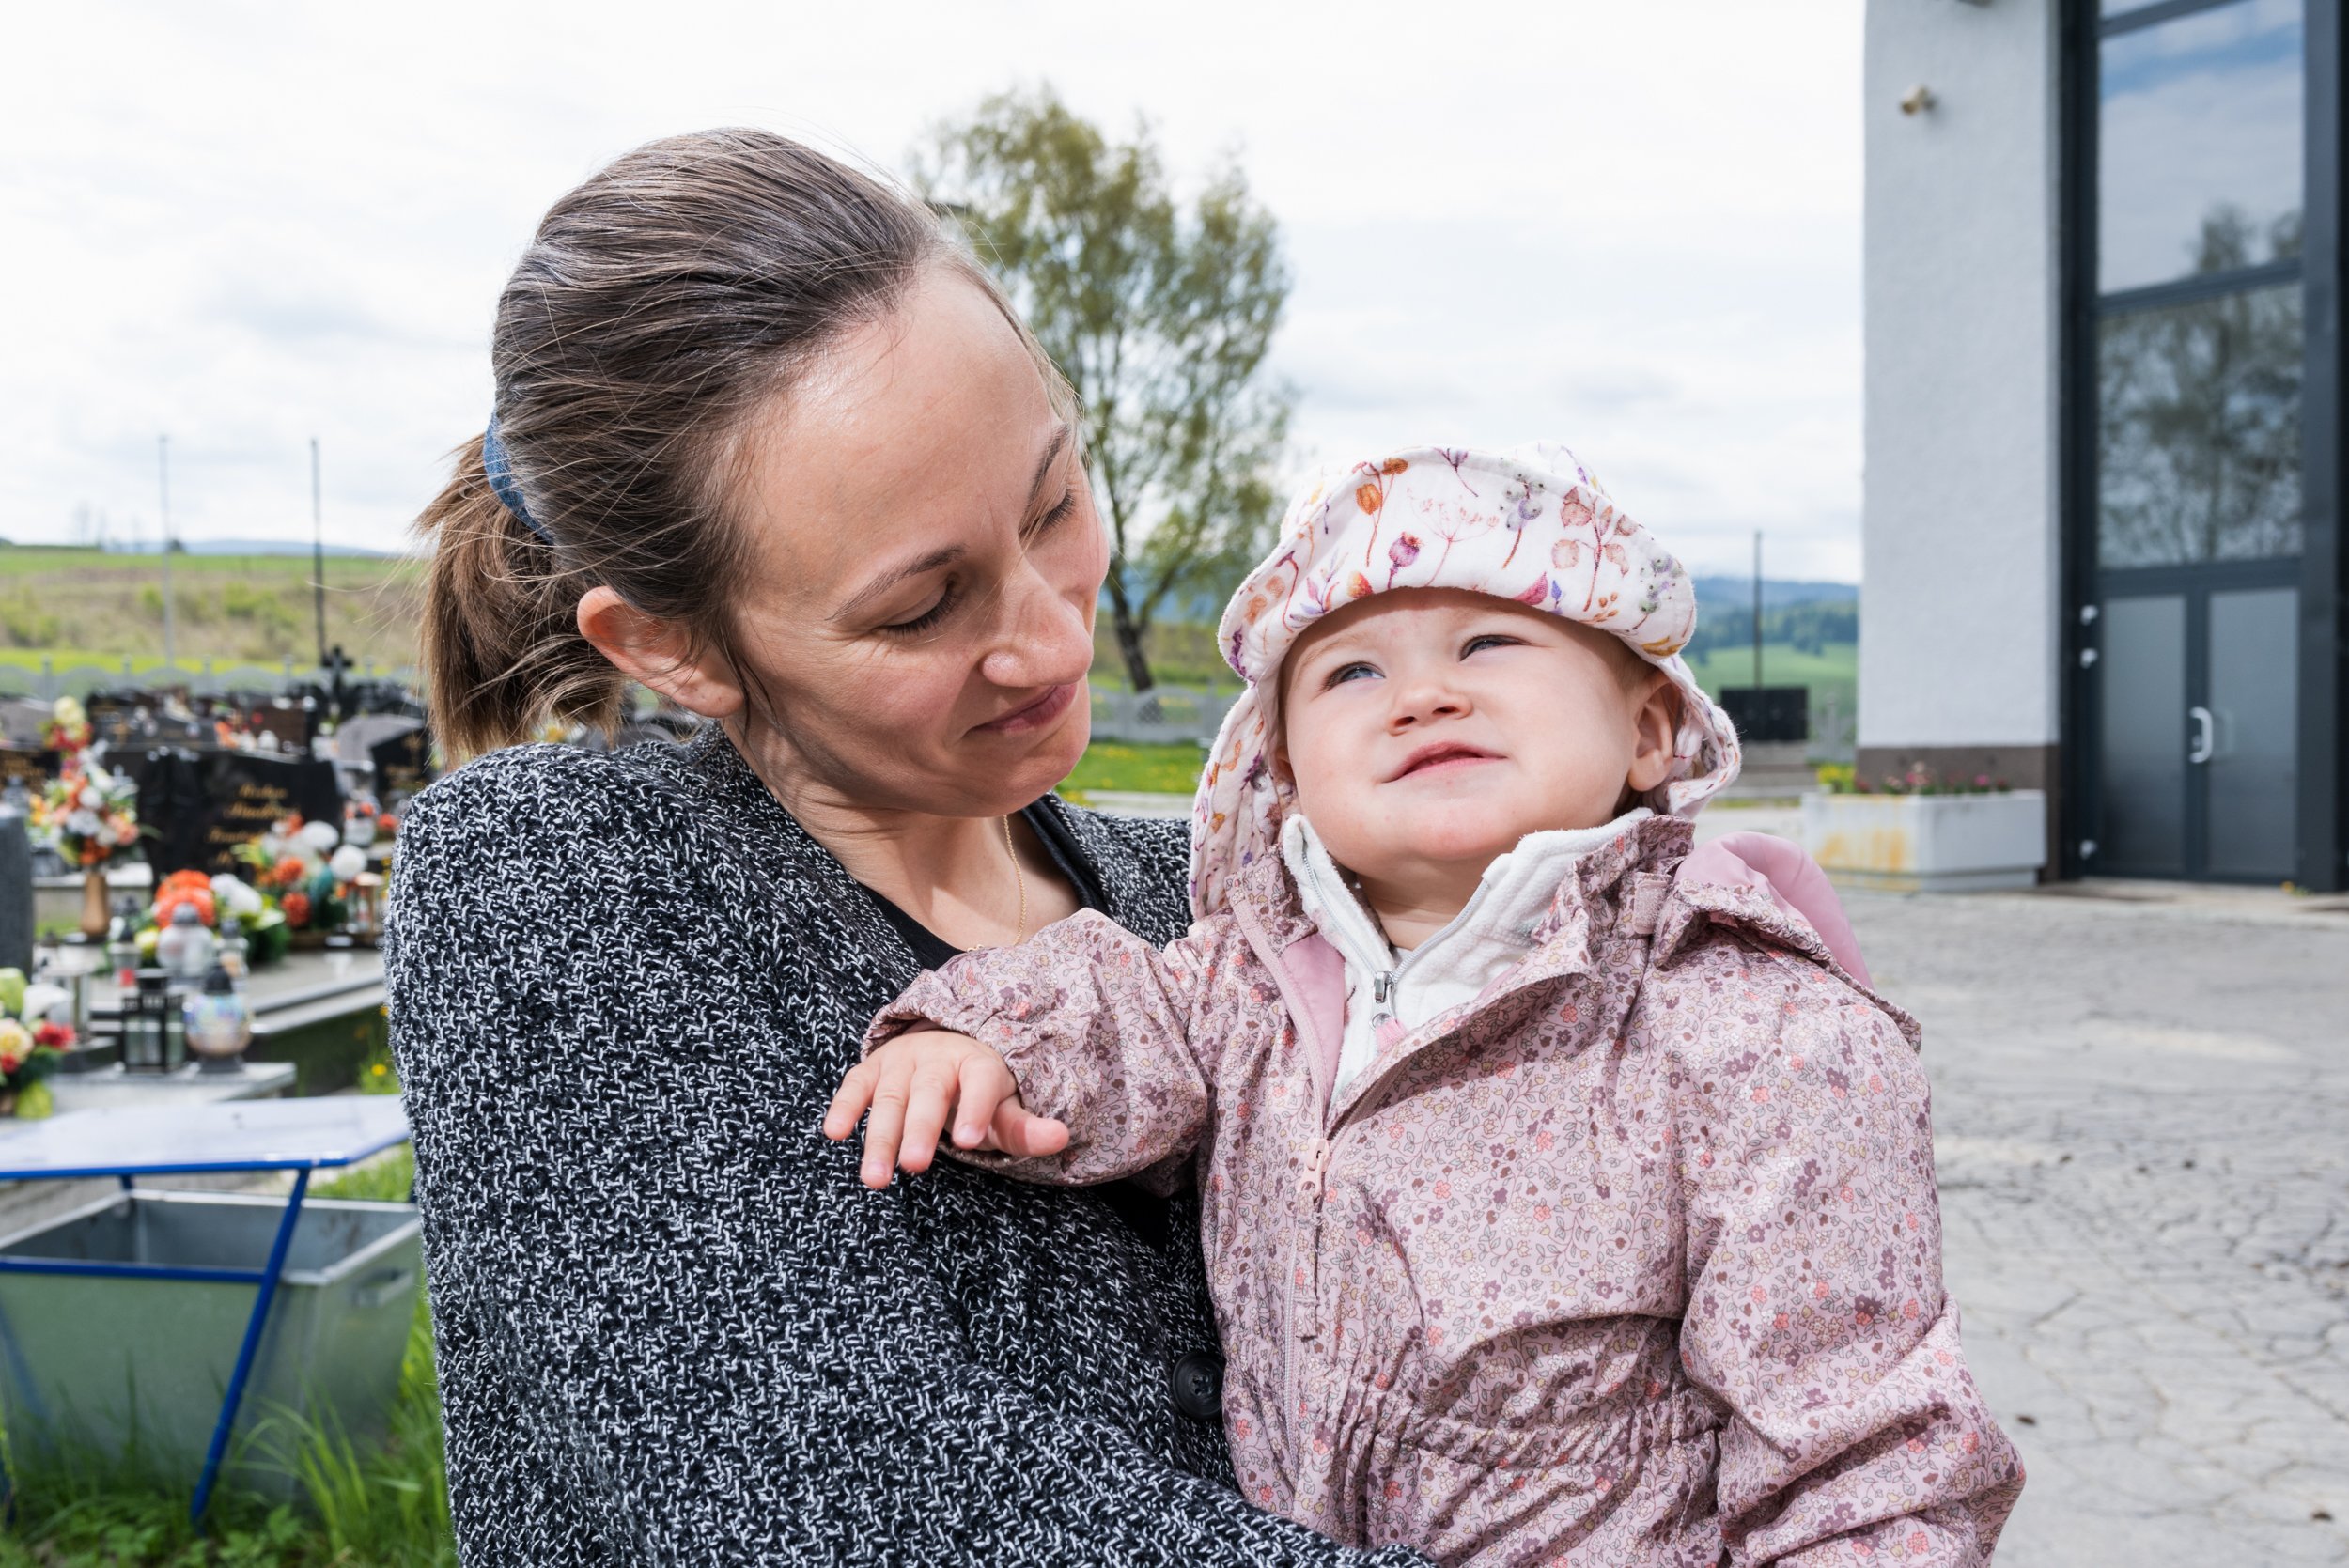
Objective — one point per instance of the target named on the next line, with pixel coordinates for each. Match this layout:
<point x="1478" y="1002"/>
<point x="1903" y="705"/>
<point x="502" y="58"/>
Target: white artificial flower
<point x="41" y="998"/>
<point x="240" y="898"/>
<point x="348" y="862"/>
<point x="89" y="800"/>
<point x="82" y="824"/>
<point x="321" y="837"/>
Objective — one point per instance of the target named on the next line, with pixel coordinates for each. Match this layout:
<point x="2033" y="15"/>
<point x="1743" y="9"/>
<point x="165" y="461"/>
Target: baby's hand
<point x="911" y="1084"/>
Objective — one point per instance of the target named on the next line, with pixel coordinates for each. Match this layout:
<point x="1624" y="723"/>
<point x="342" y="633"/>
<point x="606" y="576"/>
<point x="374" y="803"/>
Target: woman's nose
<point x="1044" y="639"/>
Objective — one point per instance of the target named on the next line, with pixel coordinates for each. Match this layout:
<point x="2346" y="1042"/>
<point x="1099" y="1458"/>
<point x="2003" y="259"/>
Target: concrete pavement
<point x="2142" y="1113"/>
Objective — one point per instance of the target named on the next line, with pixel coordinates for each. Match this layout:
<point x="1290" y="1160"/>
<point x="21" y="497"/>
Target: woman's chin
<point x="1033" y="763"/>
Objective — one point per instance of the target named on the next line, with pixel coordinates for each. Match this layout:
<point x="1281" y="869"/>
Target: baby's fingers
<point x="886" y="1127"/>
<point x="929" y="1097"/>
<point x="1023" y="1135"/>
<point x="985" y="1083"/>
<point x="850" y="1100"/>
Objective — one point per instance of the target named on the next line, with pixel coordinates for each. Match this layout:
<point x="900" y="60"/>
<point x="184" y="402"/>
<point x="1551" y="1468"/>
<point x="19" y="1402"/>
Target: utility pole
<point x="318" y="547"/>
<point x="163" y="481"/>
<point x="1757" y="621"/>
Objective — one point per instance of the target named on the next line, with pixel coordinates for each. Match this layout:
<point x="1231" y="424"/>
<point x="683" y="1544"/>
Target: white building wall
<point x="1958" y="628"/>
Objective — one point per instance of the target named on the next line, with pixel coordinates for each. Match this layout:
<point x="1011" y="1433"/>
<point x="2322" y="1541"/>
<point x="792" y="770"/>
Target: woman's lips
<point x="1037" y="714"/>
<point x="1444" y="756"/>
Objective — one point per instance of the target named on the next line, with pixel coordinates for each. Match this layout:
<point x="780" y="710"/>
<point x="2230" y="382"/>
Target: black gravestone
<point x="201" y="805"/>
<point x="15" y="892"/>
<point x="35" y="767"/>
<point x="403" y="765"/>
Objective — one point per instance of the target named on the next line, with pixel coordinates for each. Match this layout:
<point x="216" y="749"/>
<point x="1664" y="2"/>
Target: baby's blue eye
<point x="1488" y="642"/>
<point x="1347" y="672"/>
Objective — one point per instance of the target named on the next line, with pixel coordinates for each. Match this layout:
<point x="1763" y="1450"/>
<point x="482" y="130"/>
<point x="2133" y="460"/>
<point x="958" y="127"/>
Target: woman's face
<point x="926" y="560"/>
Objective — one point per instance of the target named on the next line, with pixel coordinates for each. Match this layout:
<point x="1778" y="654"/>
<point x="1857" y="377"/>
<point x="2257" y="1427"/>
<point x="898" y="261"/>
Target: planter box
<point x="131" y="1369"/>
<point x="1929" y="842"/>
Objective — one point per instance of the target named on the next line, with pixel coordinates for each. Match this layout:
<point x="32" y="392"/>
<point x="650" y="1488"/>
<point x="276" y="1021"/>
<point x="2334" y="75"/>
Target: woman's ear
<point x="1654" y="725"/>
<point x="659" y="654"/>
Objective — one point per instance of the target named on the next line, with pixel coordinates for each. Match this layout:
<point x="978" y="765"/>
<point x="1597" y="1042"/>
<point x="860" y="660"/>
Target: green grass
<point x="1151" y="768"/>
<point x="1834" y="668"/>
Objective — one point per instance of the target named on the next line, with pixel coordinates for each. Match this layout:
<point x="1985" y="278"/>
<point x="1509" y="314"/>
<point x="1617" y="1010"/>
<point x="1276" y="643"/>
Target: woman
<point x="766" y="443"/>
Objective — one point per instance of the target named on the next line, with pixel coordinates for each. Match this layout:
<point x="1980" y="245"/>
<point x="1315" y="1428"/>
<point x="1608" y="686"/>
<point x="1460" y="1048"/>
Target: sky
<point x="1634" y="228"/>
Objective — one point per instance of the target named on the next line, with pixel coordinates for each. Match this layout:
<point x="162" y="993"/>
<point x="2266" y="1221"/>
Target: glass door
<point x="2194" y="325"/>
<point x="2199" y="710"/>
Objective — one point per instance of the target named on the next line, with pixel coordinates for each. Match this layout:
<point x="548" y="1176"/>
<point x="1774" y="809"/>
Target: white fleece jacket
<point x="1387" y="992"/>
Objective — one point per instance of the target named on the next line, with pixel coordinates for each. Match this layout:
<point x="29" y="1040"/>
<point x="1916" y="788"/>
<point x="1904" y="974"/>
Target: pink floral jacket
<point x="1635" y="1258"/>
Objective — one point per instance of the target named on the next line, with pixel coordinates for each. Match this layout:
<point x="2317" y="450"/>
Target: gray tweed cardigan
<point x="672" y="1326"/>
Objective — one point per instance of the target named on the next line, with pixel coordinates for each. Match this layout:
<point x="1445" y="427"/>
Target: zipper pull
<point x="1316" y="1163"/>
<point x="1382" y="989"/>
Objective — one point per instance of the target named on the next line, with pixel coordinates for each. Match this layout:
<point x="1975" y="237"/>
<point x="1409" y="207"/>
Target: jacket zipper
<point x="1313" y="1182"/>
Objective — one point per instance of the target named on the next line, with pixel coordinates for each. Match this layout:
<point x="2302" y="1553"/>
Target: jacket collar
<point x="1587" y="908"/>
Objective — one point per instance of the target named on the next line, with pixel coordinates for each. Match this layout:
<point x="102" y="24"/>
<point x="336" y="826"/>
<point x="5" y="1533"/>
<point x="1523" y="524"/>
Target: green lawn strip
<point x="1142" y="767"/>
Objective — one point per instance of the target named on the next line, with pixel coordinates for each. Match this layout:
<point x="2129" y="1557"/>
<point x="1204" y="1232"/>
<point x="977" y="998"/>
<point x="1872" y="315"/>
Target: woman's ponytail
<point x="502" y="650"/>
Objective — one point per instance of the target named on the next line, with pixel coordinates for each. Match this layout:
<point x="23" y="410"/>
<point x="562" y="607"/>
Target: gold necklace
<point x="1018" y="880"/>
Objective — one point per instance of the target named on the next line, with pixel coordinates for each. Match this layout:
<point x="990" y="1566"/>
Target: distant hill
<point x="248" y="601"/>
<point x="230" y="547"/>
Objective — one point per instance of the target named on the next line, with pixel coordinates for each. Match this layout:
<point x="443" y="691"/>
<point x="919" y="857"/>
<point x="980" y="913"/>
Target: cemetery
<point x="190" y="894"/>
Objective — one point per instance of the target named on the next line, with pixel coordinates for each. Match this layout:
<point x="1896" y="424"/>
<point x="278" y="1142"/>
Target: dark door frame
<point x="2322" y="572"/>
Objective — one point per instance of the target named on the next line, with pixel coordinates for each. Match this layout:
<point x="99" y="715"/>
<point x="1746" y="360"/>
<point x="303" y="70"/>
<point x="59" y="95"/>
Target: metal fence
<point x="1163" y="713"/>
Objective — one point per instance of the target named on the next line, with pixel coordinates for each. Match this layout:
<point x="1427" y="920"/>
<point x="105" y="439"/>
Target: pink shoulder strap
<point x="1792" y="879"/>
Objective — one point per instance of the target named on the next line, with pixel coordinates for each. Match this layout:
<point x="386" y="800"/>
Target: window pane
<point x="2198" y="144"/>
<point x="2199" y="431"/>
<point x="2255" y="715"/>
<point x="2141" y="823"/>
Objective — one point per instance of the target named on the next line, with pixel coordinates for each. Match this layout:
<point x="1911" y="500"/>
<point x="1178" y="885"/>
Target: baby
<point x="1566" y="1196"/>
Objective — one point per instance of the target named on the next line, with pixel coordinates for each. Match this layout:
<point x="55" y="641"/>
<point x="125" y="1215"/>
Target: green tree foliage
<point x="1160" y="314"/>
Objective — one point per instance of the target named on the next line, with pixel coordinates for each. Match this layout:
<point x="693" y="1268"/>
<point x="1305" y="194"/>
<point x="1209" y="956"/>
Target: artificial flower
<point x="238" y="897"/>
<point x="16" y="1044"/>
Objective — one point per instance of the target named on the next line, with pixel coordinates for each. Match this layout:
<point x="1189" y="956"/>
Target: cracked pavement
<point x="2141" y="1114"/>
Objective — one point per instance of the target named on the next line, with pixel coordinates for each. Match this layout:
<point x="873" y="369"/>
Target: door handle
<point x="2203" y="731"/>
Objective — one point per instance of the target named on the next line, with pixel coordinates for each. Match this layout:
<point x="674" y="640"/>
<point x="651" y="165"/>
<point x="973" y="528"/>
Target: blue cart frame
<point x="241" y="1137"/>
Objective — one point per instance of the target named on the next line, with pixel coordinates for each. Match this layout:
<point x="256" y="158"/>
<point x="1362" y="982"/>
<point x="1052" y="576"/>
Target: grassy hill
<point x="75" y="606"/>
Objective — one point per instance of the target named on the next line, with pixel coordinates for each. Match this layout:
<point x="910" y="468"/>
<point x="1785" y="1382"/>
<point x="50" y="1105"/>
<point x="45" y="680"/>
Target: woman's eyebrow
<point x="1054" y="446"/>
<point x="1053" y="449"/>
<point x="890" y="578"/>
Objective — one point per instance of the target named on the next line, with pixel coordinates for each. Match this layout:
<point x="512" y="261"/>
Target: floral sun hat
<point x="1528" y="524"/>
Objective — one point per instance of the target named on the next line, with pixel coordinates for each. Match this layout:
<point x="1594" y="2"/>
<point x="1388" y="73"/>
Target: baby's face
<point x="1430" y="728"/>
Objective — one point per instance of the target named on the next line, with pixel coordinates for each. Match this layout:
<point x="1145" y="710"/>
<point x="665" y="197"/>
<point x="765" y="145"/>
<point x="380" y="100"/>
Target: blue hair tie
<point x="503" y="484"/>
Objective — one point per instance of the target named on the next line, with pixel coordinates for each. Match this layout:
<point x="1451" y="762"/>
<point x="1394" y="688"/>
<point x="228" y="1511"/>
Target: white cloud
<point x="1633" y="226"/>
